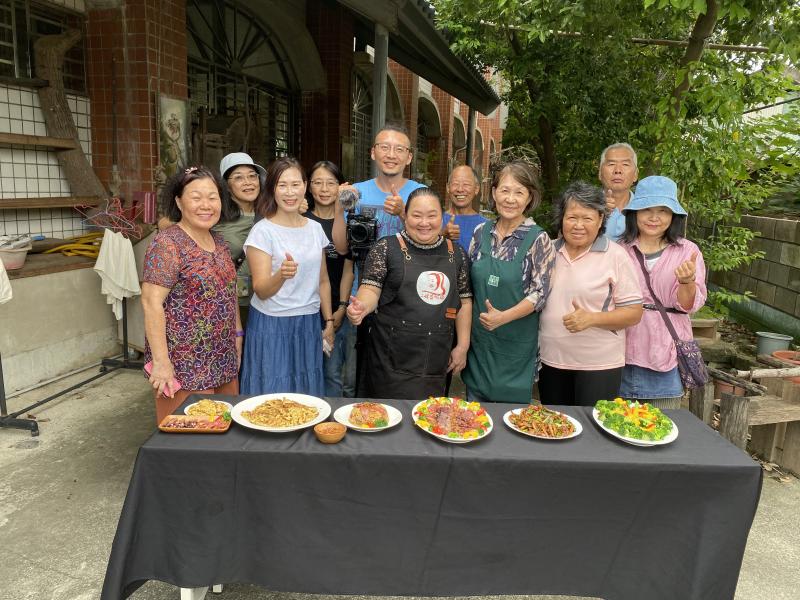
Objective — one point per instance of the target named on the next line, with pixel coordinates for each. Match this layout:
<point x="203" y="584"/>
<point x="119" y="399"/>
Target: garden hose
<point x="87" y="244"/>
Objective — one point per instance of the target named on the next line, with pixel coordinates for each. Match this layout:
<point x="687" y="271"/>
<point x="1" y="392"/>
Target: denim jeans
<point x="340" y="367"/>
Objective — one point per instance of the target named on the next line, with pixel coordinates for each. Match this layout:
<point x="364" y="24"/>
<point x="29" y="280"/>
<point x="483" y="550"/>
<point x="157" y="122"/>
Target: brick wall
<point x="134" y="53"/>
<point x="775" y="279"/>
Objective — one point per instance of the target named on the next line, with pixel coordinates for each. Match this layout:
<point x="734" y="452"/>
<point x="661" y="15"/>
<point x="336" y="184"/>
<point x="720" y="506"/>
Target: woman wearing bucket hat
<point x="654" y="237"/>
<point x="244" y="180"/>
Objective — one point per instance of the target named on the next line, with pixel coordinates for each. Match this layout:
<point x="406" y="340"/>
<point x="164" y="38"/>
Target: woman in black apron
<point x="417" y="284"/>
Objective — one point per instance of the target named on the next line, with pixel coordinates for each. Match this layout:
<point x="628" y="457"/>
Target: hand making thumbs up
<point x="356" y="311"/>
<point x="451" y="230"/>
<point x="686" y="271"/>
<point x="288" y="267"/>
<point x="492" y="318"/>
<point x="578" y="320"/>
<point x="393" y="204"/>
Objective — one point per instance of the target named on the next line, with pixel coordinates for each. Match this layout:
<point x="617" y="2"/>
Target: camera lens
<point x="359" y="233"/>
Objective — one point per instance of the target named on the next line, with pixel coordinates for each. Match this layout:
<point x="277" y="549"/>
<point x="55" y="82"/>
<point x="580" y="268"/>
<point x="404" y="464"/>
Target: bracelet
<point x="240" y="333"/>
<point x="329" y="320"/>
<point x="686" y="282"/>
<point x="345" y="304"/>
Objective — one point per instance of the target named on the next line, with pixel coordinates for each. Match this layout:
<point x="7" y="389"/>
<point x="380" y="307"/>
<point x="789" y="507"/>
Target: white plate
<point x="250" y="403"/>
<point x="671" y="436"/>
<point x="516" y="411"/>
<point x="228" y="404"/>
<point x="342" y="415"/>
<point x="444" y="438"/>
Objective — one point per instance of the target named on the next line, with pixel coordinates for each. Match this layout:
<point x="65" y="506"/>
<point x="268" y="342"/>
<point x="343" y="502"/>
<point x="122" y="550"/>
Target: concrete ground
<point x="61" y="493"/>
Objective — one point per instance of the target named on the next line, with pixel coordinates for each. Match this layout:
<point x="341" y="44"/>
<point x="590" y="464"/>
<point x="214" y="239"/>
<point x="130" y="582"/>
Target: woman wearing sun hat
<point x="655" y="223"/>
<point x="244" y="180"/>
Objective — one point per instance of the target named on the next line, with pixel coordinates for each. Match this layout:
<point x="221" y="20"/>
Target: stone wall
<point x="775" y="279"/>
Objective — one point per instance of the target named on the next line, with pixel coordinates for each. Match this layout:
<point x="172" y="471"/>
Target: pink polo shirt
<point x="600" y="279"/>
<point x="649" y="343"/>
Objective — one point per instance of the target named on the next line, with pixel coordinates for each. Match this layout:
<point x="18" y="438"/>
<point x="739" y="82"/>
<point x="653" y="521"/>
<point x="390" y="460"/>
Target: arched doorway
<point x="429" y="132"/>
<point x="359" y="168"/>
<point x="459" y="149"/>
<point x="240" y="84"/>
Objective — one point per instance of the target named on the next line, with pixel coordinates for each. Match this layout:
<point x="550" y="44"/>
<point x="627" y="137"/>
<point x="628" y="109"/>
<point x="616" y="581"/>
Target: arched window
<point x="240" y="82"/>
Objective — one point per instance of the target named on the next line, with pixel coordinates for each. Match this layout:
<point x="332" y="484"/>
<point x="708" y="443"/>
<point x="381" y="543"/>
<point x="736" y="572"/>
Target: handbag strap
<point x="656" y="301"/>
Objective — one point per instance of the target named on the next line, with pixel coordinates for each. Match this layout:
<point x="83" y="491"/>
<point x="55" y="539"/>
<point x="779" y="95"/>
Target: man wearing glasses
<point x="389" y="191"/>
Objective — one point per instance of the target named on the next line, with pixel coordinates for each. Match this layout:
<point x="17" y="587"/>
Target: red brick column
<point x="325" y="115"/>
<point x="134" y="53"/>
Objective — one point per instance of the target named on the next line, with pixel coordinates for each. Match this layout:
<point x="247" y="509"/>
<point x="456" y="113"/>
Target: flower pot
<point x="788" y="356"/>
<point x="769" y="342"/>
<point x="721" y="387"/>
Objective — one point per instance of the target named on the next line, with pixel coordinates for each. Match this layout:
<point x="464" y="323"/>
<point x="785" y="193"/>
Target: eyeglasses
<point x="285" y="187"/>
<point x="386" y="148"/>
<point x="240" y="179"/>
<point x="324" y="183"/>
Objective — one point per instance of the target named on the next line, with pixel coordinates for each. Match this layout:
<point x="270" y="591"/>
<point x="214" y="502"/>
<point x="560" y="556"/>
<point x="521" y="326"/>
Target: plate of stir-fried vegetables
<point x="635" y="423"/>
<point x="537" y="421"/>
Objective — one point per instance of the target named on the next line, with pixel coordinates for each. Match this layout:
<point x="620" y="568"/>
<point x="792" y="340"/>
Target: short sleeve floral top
<point x="200" y="308"/>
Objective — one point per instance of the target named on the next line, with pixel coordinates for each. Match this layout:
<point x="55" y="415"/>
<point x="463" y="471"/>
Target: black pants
<point x="578" y="388"/>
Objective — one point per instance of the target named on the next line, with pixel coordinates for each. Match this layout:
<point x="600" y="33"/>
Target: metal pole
<point x="471" y="119"/>
<point x="379" y="82"/>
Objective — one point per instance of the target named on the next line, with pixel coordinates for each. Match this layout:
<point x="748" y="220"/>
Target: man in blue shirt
<point x="461" y="218"/>
<point x="618" y="172"/>
<point x="386" y="194"/>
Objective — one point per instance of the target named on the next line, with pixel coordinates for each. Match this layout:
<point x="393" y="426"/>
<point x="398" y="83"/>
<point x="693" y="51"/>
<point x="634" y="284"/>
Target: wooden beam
<point x="42" y="141"/>
<point x="44" y="264"/>
<point x="54" y="202"/>
<point x="769" y="373"/>
<point x="767" y="410"/>
<point x="754" y="388"/>
<point x="701" y="402"/>
<point x="733" y="419"/>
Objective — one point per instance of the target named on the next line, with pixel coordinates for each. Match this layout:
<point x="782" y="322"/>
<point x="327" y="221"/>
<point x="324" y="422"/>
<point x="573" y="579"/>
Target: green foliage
<point x="575" y="74"/>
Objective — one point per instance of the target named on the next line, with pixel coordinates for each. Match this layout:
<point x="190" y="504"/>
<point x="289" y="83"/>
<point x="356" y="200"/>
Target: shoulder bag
<point x="691" y="365"/>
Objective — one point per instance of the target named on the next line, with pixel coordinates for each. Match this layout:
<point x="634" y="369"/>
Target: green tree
<point x="584" y="74"/>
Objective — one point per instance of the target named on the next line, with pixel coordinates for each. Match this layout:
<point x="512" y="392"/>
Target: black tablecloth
<point x="402" y="513"/>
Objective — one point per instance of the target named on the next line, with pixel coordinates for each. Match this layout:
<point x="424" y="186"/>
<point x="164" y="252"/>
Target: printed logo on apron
<point x="433" y="287"/>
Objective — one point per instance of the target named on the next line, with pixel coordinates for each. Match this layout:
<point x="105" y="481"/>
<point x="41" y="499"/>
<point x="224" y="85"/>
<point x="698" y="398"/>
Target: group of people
<point x="251" y="288"/>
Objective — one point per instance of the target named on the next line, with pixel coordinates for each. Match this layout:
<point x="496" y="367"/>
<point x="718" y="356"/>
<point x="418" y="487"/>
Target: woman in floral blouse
<point x="189" y="296"/>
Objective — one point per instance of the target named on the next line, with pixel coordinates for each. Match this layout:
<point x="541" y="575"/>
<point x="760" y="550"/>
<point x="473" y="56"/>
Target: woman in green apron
<point x="417" y="284"/>
<point x="512" y="262"/>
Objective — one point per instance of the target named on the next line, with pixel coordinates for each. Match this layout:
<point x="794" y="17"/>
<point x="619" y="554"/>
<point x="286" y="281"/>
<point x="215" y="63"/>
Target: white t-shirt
<point x="300" y="294"/>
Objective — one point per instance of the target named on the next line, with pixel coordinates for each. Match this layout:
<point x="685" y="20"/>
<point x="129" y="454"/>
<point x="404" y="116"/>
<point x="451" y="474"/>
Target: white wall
<point x="54" y="324"/>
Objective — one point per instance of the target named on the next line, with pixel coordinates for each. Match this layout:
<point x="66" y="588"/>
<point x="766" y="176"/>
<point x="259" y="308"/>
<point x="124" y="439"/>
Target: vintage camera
<point x="362" y="231"/>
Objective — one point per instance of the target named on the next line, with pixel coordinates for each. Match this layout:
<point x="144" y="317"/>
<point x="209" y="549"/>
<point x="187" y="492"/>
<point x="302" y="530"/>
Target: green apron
<point x="501" y="364"/>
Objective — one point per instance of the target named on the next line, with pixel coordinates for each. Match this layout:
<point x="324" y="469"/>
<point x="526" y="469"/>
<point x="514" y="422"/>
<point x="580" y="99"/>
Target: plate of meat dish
<point x="368" y="417"/>
<point x="452" y="419"/>
<point x="279" y="413"/>
<point x="195" y="424"/>
<point x="537" y="421"/>
<point x="634" y="423"/>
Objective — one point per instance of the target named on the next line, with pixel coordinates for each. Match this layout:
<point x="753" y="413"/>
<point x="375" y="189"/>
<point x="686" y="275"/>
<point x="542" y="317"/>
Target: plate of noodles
<point x="279" y="413"/>
<point x="541" y="422"/>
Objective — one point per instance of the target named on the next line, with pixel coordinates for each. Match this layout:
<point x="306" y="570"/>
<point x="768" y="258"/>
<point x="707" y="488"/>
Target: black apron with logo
<point x="411" y="336"/>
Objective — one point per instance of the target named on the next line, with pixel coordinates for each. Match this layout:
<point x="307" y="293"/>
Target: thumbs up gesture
<point x="579" y="319"/>
<point x="393" y="204"/>
<point x="492" y="318"/>
<point x="356" y="311"/>
<point x="611" y="203"/>
<point x="288" y="267"/>
<point x="685" y="273"/>
<point x="451" y="230"/>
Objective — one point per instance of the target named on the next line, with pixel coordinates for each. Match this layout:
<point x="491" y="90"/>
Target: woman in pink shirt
<point x="654" y="226"/>
<point x="594" y="296"/>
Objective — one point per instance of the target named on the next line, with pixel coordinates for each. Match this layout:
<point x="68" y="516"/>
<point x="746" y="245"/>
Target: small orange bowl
<point x="329" y="432"/>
